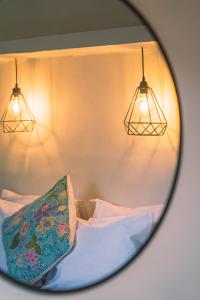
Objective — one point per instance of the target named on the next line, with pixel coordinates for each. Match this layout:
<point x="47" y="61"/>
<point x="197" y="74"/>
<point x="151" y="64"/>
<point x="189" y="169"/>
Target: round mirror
<point x="90" y="140"/>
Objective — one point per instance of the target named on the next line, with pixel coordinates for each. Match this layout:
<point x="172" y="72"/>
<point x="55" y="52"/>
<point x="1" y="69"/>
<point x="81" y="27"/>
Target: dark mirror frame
<point x="171" y="194"/>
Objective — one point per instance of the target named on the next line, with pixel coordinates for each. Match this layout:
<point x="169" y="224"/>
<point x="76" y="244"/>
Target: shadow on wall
<point x="79" y="104"/>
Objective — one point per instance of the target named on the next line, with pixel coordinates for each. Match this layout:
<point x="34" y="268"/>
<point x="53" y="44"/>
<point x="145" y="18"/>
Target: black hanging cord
<point x="16" y="71"/>
<point x="143" y="78"/>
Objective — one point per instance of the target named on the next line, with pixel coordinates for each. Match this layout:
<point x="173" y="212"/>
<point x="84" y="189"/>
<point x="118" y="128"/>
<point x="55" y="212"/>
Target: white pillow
<point x="101" y="250"/>
<point x="14" y="197"/>
<point x="105" y="209"/>
<point x="8" y="208"/>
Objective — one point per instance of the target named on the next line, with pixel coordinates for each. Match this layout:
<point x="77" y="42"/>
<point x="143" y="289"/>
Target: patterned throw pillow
<point x="40" y="234"/>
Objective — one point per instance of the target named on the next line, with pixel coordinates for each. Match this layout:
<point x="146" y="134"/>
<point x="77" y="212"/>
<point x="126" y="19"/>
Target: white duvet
<point x="101" y="250"/>
<point x="102" y="247"/>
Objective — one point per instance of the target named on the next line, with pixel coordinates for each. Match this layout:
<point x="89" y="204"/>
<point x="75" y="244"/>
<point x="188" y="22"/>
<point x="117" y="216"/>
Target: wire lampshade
<point x="17" y="116"/>
<point x="145" y="116"/>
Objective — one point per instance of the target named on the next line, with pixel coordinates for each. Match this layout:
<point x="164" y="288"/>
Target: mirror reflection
<point x="90" y="138"/>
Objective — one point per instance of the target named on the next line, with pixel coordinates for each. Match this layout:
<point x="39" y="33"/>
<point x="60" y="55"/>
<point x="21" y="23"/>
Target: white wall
<point x="80" y="100"/>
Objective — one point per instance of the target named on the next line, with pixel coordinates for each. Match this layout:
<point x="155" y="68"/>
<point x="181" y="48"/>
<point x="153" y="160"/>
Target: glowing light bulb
<point x="143" y="105"/>
<point x="16" y="106"/>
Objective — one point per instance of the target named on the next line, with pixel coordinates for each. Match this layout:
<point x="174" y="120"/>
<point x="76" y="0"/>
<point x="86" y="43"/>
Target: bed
<point x="107" y="237"/>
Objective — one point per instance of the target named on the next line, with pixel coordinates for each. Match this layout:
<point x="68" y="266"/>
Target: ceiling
<point x="34" y="18"/>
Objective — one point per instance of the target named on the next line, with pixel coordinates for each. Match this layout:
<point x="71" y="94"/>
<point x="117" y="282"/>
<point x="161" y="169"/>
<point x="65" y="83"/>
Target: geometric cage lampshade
<point x="17" y="116"/>
<point x="145" y="116"/>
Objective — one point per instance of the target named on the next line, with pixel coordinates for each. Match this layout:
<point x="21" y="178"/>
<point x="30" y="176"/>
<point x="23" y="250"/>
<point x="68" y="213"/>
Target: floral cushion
<point x="39" y="235"/>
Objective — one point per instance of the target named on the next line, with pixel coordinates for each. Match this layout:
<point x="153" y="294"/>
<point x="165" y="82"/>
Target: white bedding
<point x="103" y="246"/>
<point x="105" y="209"/>
<point x="101" y="249"/>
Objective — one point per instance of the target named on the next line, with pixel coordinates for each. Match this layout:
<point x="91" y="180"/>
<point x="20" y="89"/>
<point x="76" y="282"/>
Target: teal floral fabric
<point x="38" y="235"/>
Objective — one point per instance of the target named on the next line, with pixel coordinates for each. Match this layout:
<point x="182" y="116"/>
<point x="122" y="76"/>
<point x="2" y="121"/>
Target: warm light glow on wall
<point x="79" y="99"/>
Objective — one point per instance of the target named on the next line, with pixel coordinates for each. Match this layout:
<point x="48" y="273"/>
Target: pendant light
<point x="17" y="116"/>
<point x="145" y="116"/>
